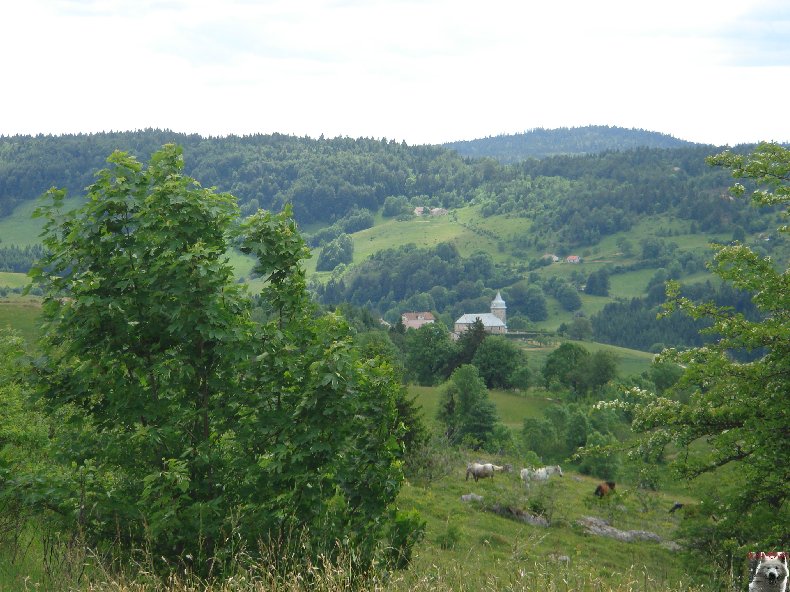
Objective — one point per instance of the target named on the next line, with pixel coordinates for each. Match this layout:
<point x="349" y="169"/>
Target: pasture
<point x="21" y="229"/>
<point x="470" y="538"/>
<point x="10" y="279"/>
<point x="512" y="407"/>
<point x="630" y="362"/>
<point x="21" y="314"/>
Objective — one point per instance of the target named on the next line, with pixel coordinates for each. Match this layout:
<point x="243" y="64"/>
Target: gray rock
<point x="520" y="515"/>
<point x="471" y="497"/>
<point x="601" y="527"/>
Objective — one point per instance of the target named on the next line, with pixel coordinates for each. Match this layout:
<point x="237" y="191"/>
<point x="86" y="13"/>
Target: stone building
<point x="495" y="322"/>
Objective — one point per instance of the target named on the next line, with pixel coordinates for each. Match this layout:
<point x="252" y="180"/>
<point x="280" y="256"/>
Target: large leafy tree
<point x="736" y="422"/>
<point x="189" y="422"/>
<point x="467" y="413"/>
<point x="429" y="352"/>
<point x="497" y="359"/>
<point x="565" y="366"/>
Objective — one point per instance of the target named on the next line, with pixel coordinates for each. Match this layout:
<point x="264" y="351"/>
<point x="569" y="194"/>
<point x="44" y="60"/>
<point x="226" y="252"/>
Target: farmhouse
<point x="424" y="211"/>
<point x="573" y="259"/>
<point x="415" y="320"/>
<point x="494" y="321"/>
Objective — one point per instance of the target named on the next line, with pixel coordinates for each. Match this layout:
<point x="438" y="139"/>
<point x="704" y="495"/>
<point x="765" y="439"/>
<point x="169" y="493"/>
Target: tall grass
<point x="263" y="575"/>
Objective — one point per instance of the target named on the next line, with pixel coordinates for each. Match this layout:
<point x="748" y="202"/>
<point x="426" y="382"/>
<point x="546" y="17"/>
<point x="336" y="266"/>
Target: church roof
<point x="488" y="319"/>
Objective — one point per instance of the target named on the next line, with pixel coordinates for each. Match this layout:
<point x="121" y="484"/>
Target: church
<point x="494" y="322"/>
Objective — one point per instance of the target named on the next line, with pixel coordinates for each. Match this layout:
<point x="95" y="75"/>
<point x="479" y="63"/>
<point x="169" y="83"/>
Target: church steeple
<point x="498" y="308"/>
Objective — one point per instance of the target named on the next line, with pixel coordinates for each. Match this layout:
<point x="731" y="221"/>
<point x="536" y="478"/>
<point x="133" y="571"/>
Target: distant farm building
<point x="415" y="320"/>
<point x="573" y="259"/>
<point x="494" y="322"/>
<point x="423" y="211"/>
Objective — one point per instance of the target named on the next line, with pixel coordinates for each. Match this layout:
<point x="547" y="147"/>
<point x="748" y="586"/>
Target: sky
<point x="419" y="71"/>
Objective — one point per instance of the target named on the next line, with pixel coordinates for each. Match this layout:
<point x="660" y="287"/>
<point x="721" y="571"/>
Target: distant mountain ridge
<point x="541" y="143"/>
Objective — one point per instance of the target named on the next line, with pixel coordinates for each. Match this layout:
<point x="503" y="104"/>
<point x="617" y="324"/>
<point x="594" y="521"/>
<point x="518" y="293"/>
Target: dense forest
<point x="574" y="200"/>
<point x="326" y="179"/>
<point x="540" y="143"/>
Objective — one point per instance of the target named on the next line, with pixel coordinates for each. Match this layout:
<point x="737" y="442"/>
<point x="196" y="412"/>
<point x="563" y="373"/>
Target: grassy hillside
<point x="468" y="541"/>
<point x="469" y="231"/>
<point x="21" y="314"/>
<point x="13" y="280"/>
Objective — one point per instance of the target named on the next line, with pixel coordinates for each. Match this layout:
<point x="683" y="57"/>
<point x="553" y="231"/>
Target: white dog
<point x="771" y="573"/>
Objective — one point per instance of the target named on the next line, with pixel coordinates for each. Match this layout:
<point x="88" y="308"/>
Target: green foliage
<point x="665" y="375"/>
<point x="450" y="537"/>
<point x="600" y="461"/>
<point x="497" y="359"/>
<point x="738" y="409"/>
<point x="429" y="352"/>
<point x="469" y="342"/>
<point x="564" y="364"/>
<point x="465" y="410"/>
<point x="405" y="531"/>
<point x="527" y="299"/>
<point x="335" y="252"/>
<point x="540" y="436"/>
<point x="580" y="328"/>
<point x="187" y="421"/>
<point x="597" y="283"/>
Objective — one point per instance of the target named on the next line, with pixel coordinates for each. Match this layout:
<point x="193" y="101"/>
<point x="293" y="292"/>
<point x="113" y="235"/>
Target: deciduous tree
<point x="189" y="422"/>
<point x="739" y="410"/>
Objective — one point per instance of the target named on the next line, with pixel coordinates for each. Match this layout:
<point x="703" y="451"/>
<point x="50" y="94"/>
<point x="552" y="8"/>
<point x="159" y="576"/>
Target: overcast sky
<point x="423" y="71"/>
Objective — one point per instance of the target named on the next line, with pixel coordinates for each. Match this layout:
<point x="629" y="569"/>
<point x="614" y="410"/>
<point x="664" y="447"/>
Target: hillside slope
<point x="540" y="143"/>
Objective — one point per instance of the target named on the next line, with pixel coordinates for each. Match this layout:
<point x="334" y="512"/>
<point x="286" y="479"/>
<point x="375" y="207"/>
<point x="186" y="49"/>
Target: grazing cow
<point x="604" y="488"/>
<point x="481" y="471"/>
<point x="541" y="474"/>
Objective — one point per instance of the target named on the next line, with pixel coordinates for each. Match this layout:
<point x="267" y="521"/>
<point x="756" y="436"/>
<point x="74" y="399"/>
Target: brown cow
<point x="604" y="488"/>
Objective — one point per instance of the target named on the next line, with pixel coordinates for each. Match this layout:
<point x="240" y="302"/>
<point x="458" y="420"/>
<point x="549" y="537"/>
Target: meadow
<point x="22" y="314"/>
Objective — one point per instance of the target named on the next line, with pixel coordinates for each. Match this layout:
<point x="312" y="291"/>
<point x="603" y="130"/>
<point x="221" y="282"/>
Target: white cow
<point x="541" y="474"/>
<point x="481" y="471"/>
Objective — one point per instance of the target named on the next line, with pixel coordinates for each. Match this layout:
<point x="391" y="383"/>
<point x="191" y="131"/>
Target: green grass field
<point x="20" y="228"/>
<point x="22" y="314"/>
<point x="469" y="537"/>
<point x="9" y="279"/>
<point x="512" y="407"/>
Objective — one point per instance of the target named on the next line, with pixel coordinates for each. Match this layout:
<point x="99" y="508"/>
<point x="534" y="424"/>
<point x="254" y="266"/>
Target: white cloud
<point x="423" y="71"/>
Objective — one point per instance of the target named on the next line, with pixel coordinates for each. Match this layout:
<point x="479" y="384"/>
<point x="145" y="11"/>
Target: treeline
<point x="323" y="179"/>
<point x="636" y="324"/>
<point x="573" y="200"/>
<point x="540" y="143"/>
<point x="576" y="201"/>
<point x="19" y="259"/>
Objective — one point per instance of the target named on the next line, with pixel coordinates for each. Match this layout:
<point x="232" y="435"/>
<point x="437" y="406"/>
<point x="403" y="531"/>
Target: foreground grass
<point x="537" y="577"/>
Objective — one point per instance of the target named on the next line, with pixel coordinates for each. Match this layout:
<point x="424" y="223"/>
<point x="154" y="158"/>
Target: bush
<point x="450" y="537"/>
<point x="405" y="531"/>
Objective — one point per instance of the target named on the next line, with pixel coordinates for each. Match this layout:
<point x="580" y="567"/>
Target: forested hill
<point x="322" y="178"/>
<point x="328" y="179"/>
<point x="540" y="143"/>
